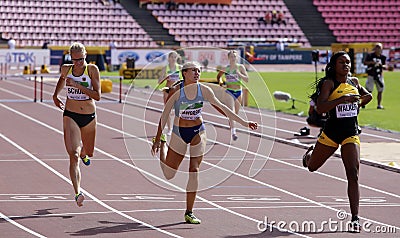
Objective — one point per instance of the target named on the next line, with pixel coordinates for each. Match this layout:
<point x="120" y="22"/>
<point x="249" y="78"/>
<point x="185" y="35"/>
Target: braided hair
<point x="330" y="73"/>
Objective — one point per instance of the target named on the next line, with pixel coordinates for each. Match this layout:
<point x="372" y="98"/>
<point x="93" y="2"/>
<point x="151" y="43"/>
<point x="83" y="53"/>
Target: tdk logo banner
<point x="20" y="57"/>
<point x="25" y="57"/>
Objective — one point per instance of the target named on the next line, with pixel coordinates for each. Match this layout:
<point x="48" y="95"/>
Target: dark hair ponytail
<point x="330" y="73"/>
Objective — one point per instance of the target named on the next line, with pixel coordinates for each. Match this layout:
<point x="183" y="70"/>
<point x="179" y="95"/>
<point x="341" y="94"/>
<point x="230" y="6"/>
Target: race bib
<point x="346" y="110"/>
<point x="76" y="94"/>
<point x="230" y="78"/>
<point x="173" y="77"/>
<point x="190" y="111"/>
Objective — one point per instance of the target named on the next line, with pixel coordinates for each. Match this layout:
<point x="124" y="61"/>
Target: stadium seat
<point x="378" y="19"/>
<point x="29" y="21"/>
<point x="241" y="20"/>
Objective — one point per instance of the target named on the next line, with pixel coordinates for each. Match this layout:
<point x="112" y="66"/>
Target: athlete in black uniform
<point x="340" y="96"/>
<point x="376" y="63"/>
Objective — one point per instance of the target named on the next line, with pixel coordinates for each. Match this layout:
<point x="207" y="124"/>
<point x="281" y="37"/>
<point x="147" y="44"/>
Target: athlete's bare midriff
<point x="187" y="123"/>
<point x="233" y="86"/>
<point x="82" y="107"/>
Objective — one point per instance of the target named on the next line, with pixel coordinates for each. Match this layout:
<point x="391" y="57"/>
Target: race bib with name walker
<point x="346" y="110"/>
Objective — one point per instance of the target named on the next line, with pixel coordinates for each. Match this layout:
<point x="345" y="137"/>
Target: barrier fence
<point x="39" y="81"/>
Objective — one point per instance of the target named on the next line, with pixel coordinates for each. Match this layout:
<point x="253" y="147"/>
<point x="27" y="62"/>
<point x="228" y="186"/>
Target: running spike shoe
<point x="192" y="219"/>
<point x="86" y="160"/>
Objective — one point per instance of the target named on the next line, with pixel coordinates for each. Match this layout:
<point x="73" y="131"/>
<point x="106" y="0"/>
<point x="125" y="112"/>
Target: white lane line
<point x="266" y="115"/>
<point x="266" y="205"/>
<point x="237" y="174"/>
<point x="20" y="226"/>
<point x="265" y="184"/>
<point x="32" y="194"/>
<point x="265" y="157"/>
<point x="143" y="171"/>
<point x="158" y="210"/>
<point x="281" y="140"/>
<point x="214" y="115"/>
<point x="83" y="190"/>
<point x="262" y="183"/>
<point x="285" y="141"/>
<point x="237" y="148"/>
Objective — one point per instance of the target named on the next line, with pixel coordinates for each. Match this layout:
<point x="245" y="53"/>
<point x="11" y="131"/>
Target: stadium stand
<point x="311" y="22"/>
<point x="149" y="23"/>
<point x="60" y="22"/>
<point x="187" y="1"/>
<point x="362" y="20"/>
<point x="217" y="24"/>
<point x="94" y="23"/>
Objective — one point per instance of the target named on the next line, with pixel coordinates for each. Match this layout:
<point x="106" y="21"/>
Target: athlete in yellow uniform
<point x="343" y="116"/>
<point x="341" y="97"/>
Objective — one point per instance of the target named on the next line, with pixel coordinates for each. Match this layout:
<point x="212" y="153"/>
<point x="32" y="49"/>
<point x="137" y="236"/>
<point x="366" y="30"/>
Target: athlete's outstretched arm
<point x="210" y="97"/>
<point x="173" y="95"/>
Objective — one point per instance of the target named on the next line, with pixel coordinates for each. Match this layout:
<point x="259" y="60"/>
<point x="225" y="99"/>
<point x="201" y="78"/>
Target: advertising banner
<point x="34" y="57"/>
<point x="210" y="57"/>
<point x="141" y="57"/>
<point x="394" y="57"/>
<point x="281" y="57"/>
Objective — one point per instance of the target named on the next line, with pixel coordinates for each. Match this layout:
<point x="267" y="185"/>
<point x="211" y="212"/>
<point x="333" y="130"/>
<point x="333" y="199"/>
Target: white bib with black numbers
<point x="84" y="80"/>
<point x="346" y="110"/>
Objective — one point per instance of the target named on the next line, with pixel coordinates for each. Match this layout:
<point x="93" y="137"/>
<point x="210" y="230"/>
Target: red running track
<point x="127" y="196"/>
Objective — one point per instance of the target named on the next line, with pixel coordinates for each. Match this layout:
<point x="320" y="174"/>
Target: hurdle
<point x="3" y="71"/>
<point x="39" y="81"/>
<point x="38" y="85"/>
<point x="35" y="89"/>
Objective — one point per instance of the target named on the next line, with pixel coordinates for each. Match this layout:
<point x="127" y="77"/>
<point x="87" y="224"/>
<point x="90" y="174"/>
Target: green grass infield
<point x="262" y="85"/>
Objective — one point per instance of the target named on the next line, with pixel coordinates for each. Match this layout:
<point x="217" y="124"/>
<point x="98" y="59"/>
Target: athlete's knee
<point x="352" y="174"/>
<point x="193" y="180"/>
<point x="169" y="175"/>
<point x="194" y="169"/>
<point x="168" y="172"/>
<point x="74" y="161"/>
<point x="73" y="155"/>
